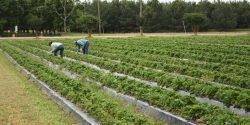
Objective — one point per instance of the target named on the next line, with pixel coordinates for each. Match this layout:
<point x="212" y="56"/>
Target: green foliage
<point x="34" y="21"/>
<point x="140" y="21"/>
<point x="95" y="102"/>
<point x="122" y="15"/>
<point x="142" y="58"/>
<point x="196" y="112"/>
<point x="2" y="22"/>
<point x="86" y="22"/>
<point x="243" y="14"/>
<point x="224" y="17"/>
<point x="152" y="14"/>
<point x="195" y="19"/>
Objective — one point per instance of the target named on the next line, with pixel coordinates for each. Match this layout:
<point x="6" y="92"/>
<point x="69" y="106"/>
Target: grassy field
<point x="22" y="102"/>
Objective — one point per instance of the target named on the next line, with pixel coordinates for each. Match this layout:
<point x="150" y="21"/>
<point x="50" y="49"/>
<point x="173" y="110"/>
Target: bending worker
<point x="84" y="44"/>
<point x="56" y="46"/>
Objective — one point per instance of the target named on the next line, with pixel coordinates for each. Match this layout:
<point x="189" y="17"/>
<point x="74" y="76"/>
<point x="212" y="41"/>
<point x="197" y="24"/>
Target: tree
<point x="35" y="22"/>
<point x="242" y="10"/>
<point x="64" y="9"/>
<point x="86" y="21"/>
<point x="141" y="19"/>
<point x="195" y="20"/>
<point x="10" y="11"/>
<point x="123" y="15"/>
<point x="206" y="8"/>
<point x="174" y="13"/>
<point x="152" y="16"/>
<point x="140" y="22"/>
<point x="2" y="22"/>
<point x="113" y="16"/>
<point x="127" y="19"/>
<point x="223" y="17"/>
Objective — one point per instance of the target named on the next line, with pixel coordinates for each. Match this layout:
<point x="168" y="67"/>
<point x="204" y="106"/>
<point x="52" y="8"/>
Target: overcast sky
<point x="189" y="0"/>
<point x="184" y="0"/>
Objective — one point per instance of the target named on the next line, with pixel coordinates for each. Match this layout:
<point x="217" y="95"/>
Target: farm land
<point x="203" y="79"/>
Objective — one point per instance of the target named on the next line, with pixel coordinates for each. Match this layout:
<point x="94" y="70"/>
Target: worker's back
<point x="56" y="44"/>
<point x="82" y="42"/>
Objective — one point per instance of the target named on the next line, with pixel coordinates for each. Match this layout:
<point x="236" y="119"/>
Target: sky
<point x="194" y="0"/>
<point x="184" y="0"/>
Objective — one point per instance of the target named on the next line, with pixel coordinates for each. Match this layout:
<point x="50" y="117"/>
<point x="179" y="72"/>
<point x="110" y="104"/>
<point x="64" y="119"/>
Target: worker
<point x="84" y="44"/>
<point x="56" y="46"/>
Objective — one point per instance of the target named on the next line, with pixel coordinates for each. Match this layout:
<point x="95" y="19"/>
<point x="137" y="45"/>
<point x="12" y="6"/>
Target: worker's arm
<point x="53" y="48"/>
<point x="77" y="47"/>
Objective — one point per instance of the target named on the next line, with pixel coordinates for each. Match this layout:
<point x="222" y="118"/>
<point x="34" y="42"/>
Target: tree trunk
<point x="65" y="17"/>
<point x="89" y="33"/>
<point x="193" y="29"/>
<point x="42" y="32"/>
<point x="196" y="29"/>
<point x="36" y="34"/>
<point x="65" y="25"/>
<point x="141" y="31"/>
<point x="103" y="29"/>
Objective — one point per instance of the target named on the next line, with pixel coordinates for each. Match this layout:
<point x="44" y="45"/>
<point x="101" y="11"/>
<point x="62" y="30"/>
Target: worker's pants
<point x="85" y="48"/>
<point x="59" y="48"/>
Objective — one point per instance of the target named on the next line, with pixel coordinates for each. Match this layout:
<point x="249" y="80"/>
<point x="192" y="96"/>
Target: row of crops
<point x="216" y="70"/>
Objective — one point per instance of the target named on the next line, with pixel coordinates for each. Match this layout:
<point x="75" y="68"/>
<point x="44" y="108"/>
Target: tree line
<point x="49" y="16"/>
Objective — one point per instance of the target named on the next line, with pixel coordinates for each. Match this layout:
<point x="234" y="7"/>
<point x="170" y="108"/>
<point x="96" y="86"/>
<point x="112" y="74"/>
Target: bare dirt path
<point x="22" y="102"/>
<point x="126" y="35"/>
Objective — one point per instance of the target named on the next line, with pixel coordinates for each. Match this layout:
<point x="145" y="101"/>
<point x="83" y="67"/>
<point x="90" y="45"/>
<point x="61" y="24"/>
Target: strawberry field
<point x="205" y="80"/>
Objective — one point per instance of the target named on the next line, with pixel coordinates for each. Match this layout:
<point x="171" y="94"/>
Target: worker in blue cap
<point x="83" y="44"/>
